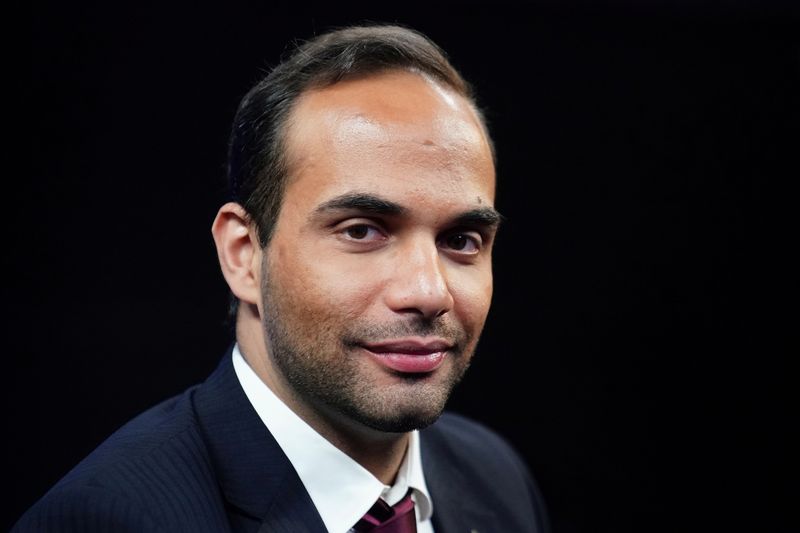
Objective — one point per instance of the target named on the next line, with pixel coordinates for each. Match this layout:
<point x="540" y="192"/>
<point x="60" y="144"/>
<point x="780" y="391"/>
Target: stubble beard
<point x="325" y="367"/>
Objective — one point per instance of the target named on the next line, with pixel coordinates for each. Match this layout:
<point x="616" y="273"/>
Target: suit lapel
<point x="453" y="515"/>
<point x="455" y="508"/>
<point x="293" y="511"/>
<point x="254" y="474"/>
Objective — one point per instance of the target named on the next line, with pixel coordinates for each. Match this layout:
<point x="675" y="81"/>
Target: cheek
<point x="472" y="295"/>
<point x="322" y="287"/>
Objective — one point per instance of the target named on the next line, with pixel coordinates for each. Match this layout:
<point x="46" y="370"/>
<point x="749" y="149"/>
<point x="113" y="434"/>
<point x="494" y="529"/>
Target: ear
<point x="239" y="252"/>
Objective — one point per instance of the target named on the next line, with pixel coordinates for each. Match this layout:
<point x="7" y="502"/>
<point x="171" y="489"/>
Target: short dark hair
<point x="257" y="159"/>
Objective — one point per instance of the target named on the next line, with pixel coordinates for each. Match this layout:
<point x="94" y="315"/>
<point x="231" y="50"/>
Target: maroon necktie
<point x="383" y="518"/>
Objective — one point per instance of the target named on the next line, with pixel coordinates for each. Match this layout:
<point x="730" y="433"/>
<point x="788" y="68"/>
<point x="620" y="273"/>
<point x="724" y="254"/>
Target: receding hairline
<point x="473" y="112"/>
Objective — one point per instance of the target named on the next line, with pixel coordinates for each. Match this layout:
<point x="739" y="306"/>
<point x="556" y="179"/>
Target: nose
<point x="418" y="282"/>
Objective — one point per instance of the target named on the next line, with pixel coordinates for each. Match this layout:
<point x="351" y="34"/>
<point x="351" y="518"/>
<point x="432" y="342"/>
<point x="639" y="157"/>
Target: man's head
<point x="362" y="247"/>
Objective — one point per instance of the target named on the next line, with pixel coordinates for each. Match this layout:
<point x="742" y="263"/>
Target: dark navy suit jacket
<point x="204" y="461"/>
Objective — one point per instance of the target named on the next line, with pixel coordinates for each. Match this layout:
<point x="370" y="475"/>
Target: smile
<point x="410" y="356"/>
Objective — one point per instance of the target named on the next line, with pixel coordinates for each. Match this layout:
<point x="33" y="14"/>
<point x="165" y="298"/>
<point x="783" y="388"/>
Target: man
<point x="358" y="249"/>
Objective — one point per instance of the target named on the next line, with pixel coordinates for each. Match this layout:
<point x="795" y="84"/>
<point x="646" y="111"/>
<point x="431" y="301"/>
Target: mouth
<point x="416" y="355"/>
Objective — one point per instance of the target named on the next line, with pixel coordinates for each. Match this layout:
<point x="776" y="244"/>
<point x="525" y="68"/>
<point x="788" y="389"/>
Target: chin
<point x="401" y="424"/>
<point x="410" y="410"/>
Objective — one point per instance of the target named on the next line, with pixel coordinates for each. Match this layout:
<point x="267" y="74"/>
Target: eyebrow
<point x="482" y="216"/>
<point x="369" y="203"/>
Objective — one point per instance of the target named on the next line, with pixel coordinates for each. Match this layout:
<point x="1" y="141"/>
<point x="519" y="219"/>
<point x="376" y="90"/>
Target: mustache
<point x="418" y="327"/>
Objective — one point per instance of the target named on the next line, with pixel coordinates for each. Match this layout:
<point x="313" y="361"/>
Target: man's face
<point x="377" y="280"/>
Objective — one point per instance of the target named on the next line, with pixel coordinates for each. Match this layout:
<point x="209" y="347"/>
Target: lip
<point x="416" y="355"/>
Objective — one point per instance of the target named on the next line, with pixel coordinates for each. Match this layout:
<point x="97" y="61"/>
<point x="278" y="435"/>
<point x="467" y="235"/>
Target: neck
<point x="380" y="453"/>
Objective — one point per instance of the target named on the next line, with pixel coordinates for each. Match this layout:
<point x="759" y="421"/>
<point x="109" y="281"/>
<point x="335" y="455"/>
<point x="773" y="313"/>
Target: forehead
<point x="397" y="130"/>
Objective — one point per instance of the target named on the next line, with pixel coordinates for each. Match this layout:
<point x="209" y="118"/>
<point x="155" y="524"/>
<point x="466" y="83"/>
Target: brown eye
<point x="357" y="232"/>
<point x="460" y="242"/>
<point x="457" y="242"/>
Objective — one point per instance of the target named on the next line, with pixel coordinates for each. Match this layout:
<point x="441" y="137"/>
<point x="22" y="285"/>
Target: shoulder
<point x="469" y="441"/>
<point x="86" y="509"/>
<point x="151" y="470"/>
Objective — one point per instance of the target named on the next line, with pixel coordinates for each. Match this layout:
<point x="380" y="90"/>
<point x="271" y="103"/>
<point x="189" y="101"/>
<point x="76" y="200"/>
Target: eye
<point x="463" y="243"/>
<point x="362" y="233"/>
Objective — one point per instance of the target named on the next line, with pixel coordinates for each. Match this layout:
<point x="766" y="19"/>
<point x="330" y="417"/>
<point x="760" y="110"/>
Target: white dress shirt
<point x="341" y="489"/>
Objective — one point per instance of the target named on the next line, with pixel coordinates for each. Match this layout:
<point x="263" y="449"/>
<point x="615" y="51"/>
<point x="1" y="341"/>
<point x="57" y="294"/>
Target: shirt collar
<point x="321" y="465"/>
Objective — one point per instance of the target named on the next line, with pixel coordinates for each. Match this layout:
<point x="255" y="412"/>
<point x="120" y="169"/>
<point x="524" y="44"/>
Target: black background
<point x="637" y="351"/>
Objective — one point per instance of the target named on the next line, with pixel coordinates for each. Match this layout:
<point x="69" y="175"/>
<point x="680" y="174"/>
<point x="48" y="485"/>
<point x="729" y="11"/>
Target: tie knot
<point x="383" y="518"/>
